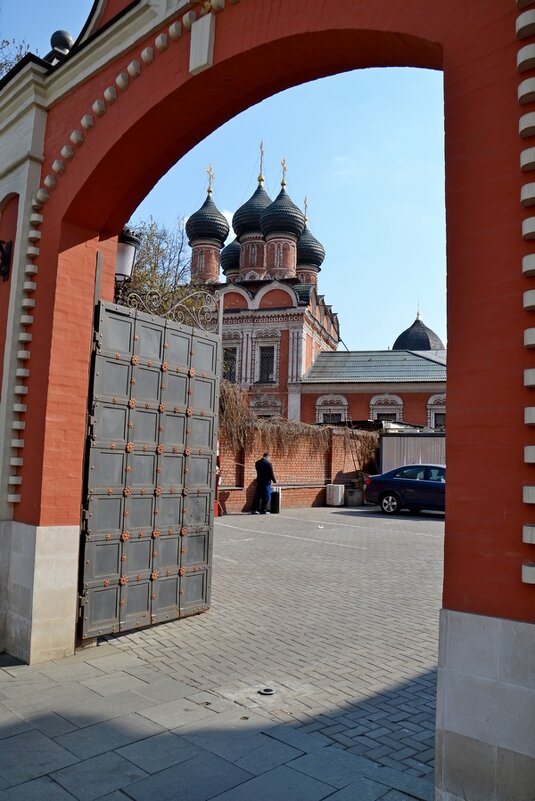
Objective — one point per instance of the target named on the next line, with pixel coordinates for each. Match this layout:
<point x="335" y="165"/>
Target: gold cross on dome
<point x="261" y="174"/>
<point x="306" y="208"/>
<point x="284" y="169"/>
<point x="211" y="176"/>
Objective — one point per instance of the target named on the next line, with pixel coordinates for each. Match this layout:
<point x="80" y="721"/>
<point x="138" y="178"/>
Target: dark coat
<point x="264" y="471"/>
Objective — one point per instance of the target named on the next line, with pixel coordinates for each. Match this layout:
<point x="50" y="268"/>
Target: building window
<point x="387" y="408"/>
<point x="331" y="409"/>
<point x="266" y="372"/>
<point x="230" y="363"/>
<point x="389" y="417"/>
<point x="332" y="417"/>
<point x="439" y="421"/>
<point x="436" y="412"/>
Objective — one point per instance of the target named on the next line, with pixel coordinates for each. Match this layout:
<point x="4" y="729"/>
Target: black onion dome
<point x="207" y="223"/>
<point x="230" y="257"/>
<point x="247" y="218"/>
<point x="418" y="337"/>
<point x="282" y="215"/>
<point x="309" y="250"/>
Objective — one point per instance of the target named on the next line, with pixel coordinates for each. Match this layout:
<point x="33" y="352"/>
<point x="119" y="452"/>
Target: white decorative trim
<point x="388" y="403"/>
<point x="525" y="59"/>
<point x="331" y="404"/>
<point x="525" y="24"/>
<point x="526" y="91"/>
<point x="528" y="534"/>
<point x="528" y="573"/>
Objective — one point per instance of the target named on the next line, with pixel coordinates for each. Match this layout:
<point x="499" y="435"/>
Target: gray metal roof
<point x="375" y="366"/>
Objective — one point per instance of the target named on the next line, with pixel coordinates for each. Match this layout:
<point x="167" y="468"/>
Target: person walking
<point x="264" y="477"/>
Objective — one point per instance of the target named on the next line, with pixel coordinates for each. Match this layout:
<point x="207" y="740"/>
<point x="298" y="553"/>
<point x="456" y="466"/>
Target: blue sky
<point x="365" y="147"/>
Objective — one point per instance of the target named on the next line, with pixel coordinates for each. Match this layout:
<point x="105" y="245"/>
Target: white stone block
<point x="528" y="536"/>
<point x="527" y="194"/>
<point x="528" y="574"/>
<point x="526" y="91"/>
<point x="529" y="338"/>
<point x="134" y="69"/>
<point x="58" y="166"/>
<point x="528" y="494"/>
<point x="528" y="228"/>
<point x="161" y="42"/>
<point x="110" y="94"/>
<point x="50" y="181"/>
<point x="525" y="24"/>
<point x="201" y="55"/>
<point x="67" y="152"/>
<point x="147" y="55"/>
<point x="525" y="59"/>
<point x="122" y="81"/>
<point x="99" y="107"/>
<point x="77" y="137"/>
<point x="188" y="19"/>
<point x="528" y="300"/>
<point x="87" y="122"/>
<point x="175" y="31"/>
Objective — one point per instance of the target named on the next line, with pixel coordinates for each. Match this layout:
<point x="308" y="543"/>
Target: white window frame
<point x="331" y="404"/>
<point x="386" y="404"/>
<point x="436" y="405"/>
<point x="267" y="339"/>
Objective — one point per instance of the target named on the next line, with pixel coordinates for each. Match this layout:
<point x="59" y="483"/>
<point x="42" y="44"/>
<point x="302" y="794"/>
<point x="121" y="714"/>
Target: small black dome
<point x="418" y="337"/>
<point x="309" y="250"/>
<point x="62" y="41"/>
<point x="230" y="258"/>
<point x="282" y="215"/>
<point x="207" y="223"/>
<point x="247" y="218"/>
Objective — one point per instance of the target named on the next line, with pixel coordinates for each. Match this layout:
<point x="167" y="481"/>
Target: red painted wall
<point x="414" y="404"/>
<point x="276" y="299"/>
<point x="233" y="300"/>
<point x="8" y="228"/>
<point x="263" y="46"/>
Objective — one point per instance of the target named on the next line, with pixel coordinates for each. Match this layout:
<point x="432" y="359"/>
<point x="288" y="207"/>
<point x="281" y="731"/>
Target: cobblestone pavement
<point x="334" y="609"/>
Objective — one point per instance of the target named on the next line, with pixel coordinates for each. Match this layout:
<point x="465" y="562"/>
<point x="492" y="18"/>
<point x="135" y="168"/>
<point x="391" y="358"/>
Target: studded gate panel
<point x="150" y="466"/>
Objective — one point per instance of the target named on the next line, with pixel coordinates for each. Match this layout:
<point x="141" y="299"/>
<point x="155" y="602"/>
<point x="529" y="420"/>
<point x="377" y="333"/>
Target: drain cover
<point x="266" y="691"/>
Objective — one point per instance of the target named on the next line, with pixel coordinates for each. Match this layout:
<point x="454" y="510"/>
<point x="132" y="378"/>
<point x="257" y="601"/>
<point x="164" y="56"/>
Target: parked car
<point x="413" y="486"/>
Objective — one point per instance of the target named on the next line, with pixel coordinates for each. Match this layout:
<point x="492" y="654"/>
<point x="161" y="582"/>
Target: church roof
<point x="282" y="216"/>
<point x="247" y="218"/>
<point x="230" y="257"/>
<point x="309" y="250"/>
<point x="207" y="223"/>
<point x="418" y="337"/>
<point x="377" y="366"/>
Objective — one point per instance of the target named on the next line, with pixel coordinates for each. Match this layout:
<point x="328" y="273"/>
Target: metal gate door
<point x="150" y="472"/>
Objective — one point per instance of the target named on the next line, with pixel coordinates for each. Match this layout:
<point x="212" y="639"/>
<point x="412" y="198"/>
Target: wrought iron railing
<point x="199" y="308"/>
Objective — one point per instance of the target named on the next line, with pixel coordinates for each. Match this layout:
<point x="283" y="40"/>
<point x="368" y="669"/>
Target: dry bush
<point x="238" y="427"/>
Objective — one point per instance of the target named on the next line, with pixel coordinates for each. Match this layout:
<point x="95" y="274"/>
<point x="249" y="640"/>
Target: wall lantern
<point x="127" y="247"/>
<point x="5" y="258"/>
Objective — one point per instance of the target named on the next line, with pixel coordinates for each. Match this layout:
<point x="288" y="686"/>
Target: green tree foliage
<point x="11" y="52"/>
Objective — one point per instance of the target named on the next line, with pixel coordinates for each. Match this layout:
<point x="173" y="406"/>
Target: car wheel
<point x="390" y="503"/>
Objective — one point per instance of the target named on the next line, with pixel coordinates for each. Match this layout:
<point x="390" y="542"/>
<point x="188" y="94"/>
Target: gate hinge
<point x="90" y="427"/>
<point x="82" y="601"/>
<point x="97" y="338"/>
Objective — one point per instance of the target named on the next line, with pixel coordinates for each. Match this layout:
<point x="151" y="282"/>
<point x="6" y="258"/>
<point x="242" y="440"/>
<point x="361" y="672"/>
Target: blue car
<point x="413" y="487"/>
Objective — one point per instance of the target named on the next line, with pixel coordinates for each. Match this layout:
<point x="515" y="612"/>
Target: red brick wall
<point x="276" y="299"/>
<point x="414" y="404"/>
<point x="302" y="473"/>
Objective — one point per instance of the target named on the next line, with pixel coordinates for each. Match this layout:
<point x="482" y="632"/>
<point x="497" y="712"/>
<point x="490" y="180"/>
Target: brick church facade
<point x="280" y="337"/>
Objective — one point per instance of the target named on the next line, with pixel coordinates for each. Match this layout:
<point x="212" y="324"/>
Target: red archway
<point x="114" y="129"/>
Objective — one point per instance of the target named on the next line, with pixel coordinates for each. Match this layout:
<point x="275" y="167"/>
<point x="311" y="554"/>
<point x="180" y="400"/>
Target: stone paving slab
<point x="99" y="776"/>
<point x="341" y="620"/>
<point x="199" y="779"/>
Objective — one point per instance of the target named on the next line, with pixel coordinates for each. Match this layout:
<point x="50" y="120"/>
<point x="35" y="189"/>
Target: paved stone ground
<point x="335" y="609"/>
